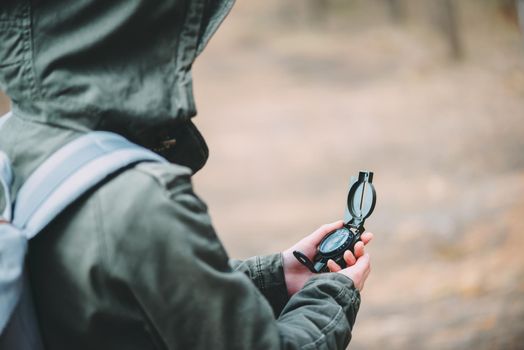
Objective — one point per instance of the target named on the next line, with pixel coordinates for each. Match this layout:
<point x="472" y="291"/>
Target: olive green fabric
<point x="135" y="263"/>
<point x="120" y="65"/>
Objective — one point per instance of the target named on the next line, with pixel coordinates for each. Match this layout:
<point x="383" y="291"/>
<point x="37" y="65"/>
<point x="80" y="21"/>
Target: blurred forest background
<point x="296" y="96"/>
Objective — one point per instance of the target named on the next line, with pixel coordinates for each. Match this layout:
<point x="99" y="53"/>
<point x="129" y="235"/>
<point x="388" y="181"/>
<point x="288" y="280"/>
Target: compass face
<point x="335" y="241"/>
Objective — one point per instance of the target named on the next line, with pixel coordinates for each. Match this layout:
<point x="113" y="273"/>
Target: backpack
<point x="64" y="177"/>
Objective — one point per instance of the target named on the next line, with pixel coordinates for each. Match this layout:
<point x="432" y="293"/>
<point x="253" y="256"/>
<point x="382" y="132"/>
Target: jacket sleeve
<point x="176" y="268"/>
<point x="267" y="273"/>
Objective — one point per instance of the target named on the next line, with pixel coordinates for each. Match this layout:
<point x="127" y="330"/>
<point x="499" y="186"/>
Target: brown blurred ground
<point x="292" y="106"/>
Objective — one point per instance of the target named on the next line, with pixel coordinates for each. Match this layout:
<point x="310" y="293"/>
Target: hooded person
<point x="135" y="263"/>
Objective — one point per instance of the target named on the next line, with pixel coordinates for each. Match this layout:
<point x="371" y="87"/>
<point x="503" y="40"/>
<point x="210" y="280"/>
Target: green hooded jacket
<point x="135" y="263"/>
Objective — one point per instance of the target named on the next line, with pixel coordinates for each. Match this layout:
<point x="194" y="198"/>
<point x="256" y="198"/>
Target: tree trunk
<point x="450" y="28"/>
<point x="318" y="10"/>
<point x="396" y="10"/>
<point x="520" y="11"/>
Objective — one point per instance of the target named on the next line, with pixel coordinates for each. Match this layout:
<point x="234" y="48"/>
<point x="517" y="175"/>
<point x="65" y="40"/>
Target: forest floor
<point x="291" y="110"/>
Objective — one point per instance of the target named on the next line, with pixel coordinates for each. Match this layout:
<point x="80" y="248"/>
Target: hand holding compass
<point x="360" y="204"/>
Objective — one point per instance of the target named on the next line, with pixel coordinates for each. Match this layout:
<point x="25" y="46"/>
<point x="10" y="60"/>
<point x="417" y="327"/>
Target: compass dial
<point x="336" y="242"/>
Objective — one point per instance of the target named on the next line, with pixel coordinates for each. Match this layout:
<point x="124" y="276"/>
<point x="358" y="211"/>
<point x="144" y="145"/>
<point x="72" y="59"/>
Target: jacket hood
<point x="120" y="65"/>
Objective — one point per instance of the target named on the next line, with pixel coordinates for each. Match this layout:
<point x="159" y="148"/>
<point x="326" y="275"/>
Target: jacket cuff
<point x="343" y="291"/>
<point x="267" y="273"/>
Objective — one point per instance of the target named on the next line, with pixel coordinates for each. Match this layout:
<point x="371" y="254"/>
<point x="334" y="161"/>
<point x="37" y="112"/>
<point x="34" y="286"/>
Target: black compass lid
<point x="361" y="199"/>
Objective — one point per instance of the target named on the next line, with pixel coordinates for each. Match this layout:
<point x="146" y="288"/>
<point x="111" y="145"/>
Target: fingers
<point x="366" y="237"/>
<point x="359" y="249"/>
<point x="333" y="266"/>
<point x="364" y="266"/>
<point x="349" y="258"/>
<point x="359" y="272"/>
<point x="363" y="263"/>
<point x="359" y="246"/>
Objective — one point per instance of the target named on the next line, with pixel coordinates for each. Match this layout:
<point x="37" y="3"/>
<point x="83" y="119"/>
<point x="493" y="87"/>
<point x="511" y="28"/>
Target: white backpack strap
<point x="58" y="182"/>
<point x="13" y="246"/>
<point x="6" y="175"/>
<point x="6" y="178"/>
<point x="69" y="173"/>
<point x="18" y="327"/>
<point x="4" y="118"/>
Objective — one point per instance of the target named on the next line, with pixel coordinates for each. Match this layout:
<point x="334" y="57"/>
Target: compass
<point x="360" y="205"/>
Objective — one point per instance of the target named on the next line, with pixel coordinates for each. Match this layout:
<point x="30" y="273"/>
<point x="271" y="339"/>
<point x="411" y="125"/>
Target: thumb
<point x="333" y="266"/>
